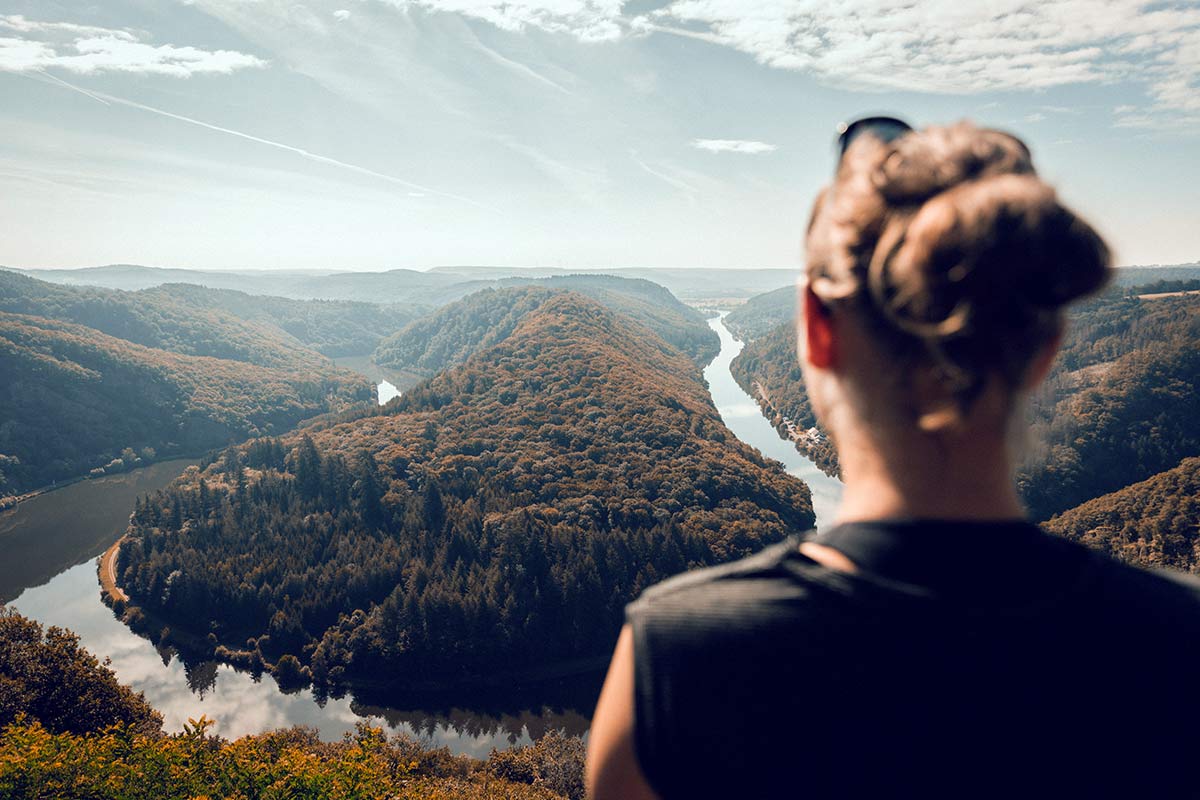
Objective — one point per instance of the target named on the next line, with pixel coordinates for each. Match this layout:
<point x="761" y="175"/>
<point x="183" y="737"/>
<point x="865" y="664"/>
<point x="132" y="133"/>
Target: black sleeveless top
<point x="962" y="660"/>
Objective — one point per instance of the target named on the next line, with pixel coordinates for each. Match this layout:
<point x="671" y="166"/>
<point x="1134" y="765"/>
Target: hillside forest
<point x="501" y="513"/>
<point x="447" y="337"/>
<point x="98" y="380"/>
<point x="1120" y="406"/>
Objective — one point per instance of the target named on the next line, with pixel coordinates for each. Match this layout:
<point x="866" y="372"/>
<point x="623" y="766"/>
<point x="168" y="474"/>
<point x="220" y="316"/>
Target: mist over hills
<point x="297" y="284"/>
<point x="430" y="288"/>
<point x="498" y="515"/>
<point x="445" y="284"/>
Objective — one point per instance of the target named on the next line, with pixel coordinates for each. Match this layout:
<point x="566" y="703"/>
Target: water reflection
<point x="242" y="703"/>
<point x="364" y="365"/>
<point x="47" y="534"/>
<point x="385" y="391"/>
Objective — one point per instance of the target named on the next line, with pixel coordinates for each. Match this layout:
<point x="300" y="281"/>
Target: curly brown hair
<point x="959" y="257"/>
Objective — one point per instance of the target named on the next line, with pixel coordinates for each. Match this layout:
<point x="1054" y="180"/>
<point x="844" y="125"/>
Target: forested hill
<point x="1121" y="404"/>
<point x="495" y="518"/>
<point x="1154" y="523"/>
<point x="762" y="314"/>
<point x="75" y="400"/>
<point x="331" y="327"/>
<point x="158" y="321"/>
<point x="193" y="320"/>
<point x="450" y="335"/>
<point x="649" y="303"/>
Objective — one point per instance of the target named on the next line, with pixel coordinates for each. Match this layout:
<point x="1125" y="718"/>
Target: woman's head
<point x="954" y="259"/>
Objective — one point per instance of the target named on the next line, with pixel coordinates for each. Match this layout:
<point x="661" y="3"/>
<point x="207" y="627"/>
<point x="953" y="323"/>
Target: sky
<point x="379" y="134"/>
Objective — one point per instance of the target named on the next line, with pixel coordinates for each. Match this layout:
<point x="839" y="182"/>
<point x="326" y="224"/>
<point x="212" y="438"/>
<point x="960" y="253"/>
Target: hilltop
<point x="452" y="334"/>
<point x="762" y="314"/>
<point x="495" y="518"/>
<point x="1154" y="523"/>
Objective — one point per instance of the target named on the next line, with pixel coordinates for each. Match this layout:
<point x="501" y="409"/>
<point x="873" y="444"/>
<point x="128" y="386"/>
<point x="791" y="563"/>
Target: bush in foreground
<point x="121" y="763"/>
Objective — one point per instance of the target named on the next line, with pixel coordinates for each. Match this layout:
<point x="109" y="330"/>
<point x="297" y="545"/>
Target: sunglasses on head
<point x="886" y="129"/>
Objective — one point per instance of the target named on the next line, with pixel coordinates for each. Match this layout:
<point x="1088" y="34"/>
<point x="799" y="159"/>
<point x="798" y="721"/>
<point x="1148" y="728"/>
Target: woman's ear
<point x="817" y="339"/>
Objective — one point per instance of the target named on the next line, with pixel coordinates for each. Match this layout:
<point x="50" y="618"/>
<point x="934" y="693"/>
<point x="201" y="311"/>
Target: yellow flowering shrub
<point x="120" y="763"/>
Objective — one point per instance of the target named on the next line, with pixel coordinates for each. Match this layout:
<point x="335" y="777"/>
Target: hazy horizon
<point x="450" y="267"/>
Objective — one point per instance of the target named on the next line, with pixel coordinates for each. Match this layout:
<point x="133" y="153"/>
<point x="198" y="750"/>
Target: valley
<point x="182" y="685"/>
<point x="452" y="564"/>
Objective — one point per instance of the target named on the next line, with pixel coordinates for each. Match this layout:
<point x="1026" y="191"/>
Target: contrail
<point x="108" y="98"/>
<point x="71" y="86"/>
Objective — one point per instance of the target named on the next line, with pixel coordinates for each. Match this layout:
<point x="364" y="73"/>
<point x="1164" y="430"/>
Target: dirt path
<point x="108" y="573"/>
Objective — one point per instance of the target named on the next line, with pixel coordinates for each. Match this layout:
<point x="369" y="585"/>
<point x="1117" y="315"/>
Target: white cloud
<point x="588" y="20"/>
<point x="86" y="49"/>
<point x="732" y="146"/>
<point x="947" y="46"/>
<point x="341" y="15"/>
<point x="1036" y="116"/>
<point x="18" y="23"/>
<point x="936" y="46"/>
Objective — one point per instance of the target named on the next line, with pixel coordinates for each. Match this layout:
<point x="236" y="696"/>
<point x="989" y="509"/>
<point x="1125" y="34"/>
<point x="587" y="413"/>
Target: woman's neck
<point x="923" y="476"/>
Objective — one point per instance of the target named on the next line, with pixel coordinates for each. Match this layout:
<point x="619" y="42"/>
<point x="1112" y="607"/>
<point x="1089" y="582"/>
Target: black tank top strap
<point x="953" y="557"/>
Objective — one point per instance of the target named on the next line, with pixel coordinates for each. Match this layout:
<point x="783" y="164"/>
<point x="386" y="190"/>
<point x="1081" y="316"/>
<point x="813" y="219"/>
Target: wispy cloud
<point x="86" y="49"/>
<point x="516" y="66"/>
<point x="416" y="189"/>
<point x="686" y="188"/>
<point x="733" y="146"/>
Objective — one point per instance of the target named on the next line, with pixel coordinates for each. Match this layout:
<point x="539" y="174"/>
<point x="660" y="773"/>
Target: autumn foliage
<point x="495" y="518"/>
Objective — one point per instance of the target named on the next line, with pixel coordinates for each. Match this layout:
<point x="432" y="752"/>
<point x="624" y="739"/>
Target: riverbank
<point x="108" y="574"/>
<point x="812" y="443"/>
<point x="12" y="501"/>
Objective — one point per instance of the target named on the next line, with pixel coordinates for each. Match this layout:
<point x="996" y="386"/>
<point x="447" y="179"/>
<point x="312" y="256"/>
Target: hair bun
<point x="959" y="256"/>
<point x="922" y="166"/>
<point x="982" y="252"/>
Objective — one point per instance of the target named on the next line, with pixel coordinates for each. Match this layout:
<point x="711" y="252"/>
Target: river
<point x="741" y="414"/>
<point x="51" y="543"/>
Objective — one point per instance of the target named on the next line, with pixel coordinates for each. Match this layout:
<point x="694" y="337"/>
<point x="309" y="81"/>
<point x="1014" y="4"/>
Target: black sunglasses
<point x="886" y="129"/>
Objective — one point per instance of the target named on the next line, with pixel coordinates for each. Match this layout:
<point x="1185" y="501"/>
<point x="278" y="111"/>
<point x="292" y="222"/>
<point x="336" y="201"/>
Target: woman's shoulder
<point x="763" y="566"/>
<point x="775" y="586"/>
